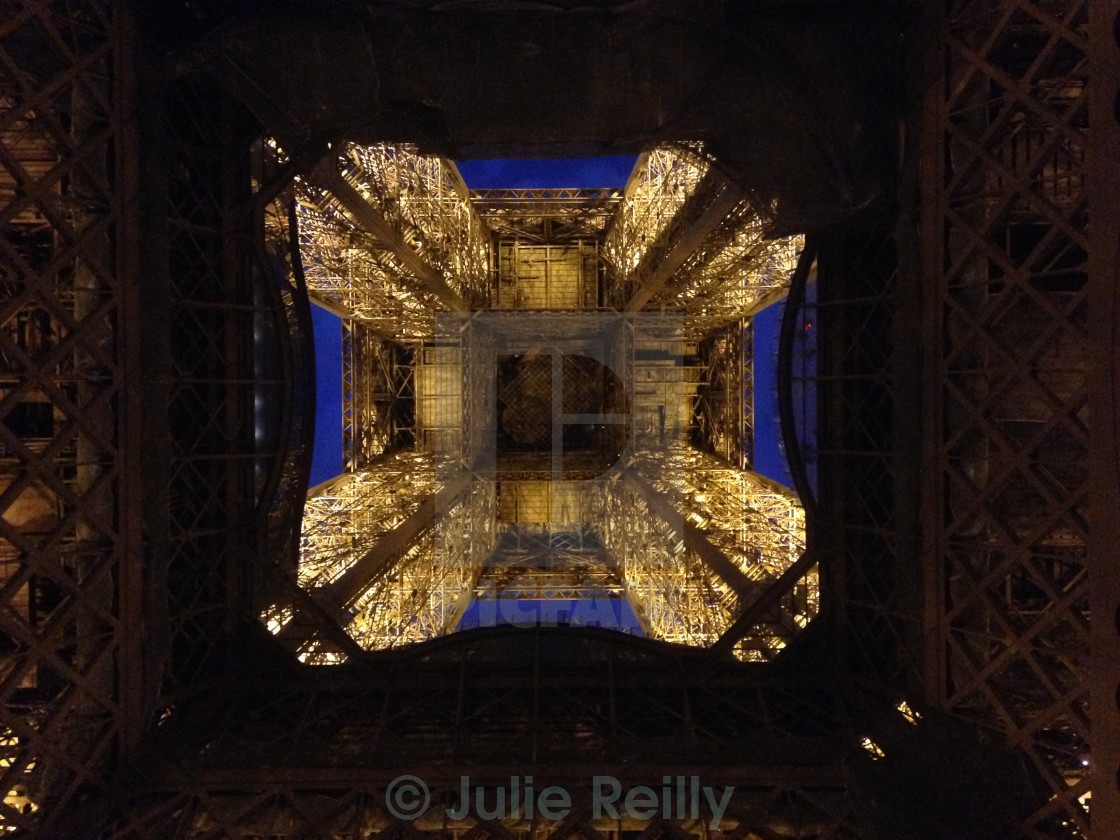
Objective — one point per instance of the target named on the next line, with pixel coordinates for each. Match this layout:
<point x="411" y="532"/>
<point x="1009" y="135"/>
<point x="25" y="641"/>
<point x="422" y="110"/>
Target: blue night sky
<point x="554" y="173"/>
<point x="326" y="458"/>
<point x="586" y="173"/>
<point x="607" y="613"/>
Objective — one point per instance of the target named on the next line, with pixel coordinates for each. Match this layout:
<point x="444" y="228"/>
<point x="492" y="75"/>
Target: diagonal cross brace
<point x="336" y="597"/>
<point x="689" y="242"/>
<point x="695" y="540"/>
<point x="369" y="217"/>
<point x="327" y="176"/>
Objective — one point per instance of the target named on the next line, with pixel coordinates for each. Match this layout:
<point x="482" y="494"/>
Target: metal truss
<point x="378" y="395"/>
<point x="675" y="569"/>
<point x="744" y="528"/>
<point x="479" y="395"/>
<point x="759" y="524"/>
<point x="724" y="413"/>
<point x="347" y="271"/>
<point x="347" y="515"/>
<point x="546" y="216"/>
<point x="440" y="394"/>
<point x="425" y="201"/>
<point x="66" y="340"/>
<point x="695" y="571"/>
<point x="685" y="240"/>
<point x="861" y="477"/>
<point x="659" y="365"/>
<point x="495" y="701"/>
<point x="1005" y="228"/>
<point x="359" y="813"/>
<point x="676" y="597"/>
<point x="737" y="273"/>
<point x="1104" y="482"/>
<point x="153" y="399"/>
<point x="389" y="553"/>
<point x="536" y="563"/>
<point x="215" y="414"/>
<point x="660" y="185"/>
<point x="561" y="276"/>
<point x="282" y="479"/>
<point x="124" y="502"/>
<point x="429" y="587"/>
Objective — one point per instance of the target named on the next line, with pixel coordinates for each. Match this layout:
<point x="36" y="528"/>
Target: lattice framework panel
<point x="724" y="413"/>
<point x="1009" y="524"/>
<point x="209" y="482"/>
<point x="65" y="708"/>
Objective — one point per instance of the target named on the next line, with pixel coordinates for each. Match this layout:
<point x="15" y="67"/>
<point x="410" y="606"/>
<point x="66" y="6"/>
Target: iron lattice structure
<point x="156" y="409"/>
<point x="1008" y="528"/>
<point x="724" y="414"/>
<point x="546" y="257"/>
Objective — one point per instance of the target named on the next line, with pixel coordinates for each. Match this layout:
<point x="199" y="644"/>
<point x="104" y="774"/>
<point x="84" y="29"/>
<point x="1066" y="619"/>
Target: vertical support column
<point x="745" y="399"/>
<point x="236" y="219"/>
<point x="1104" y="389"/>
<point x="906" y="378"/>
<point x="149" y="380"/>
<point x="134" y="692"/>
<point x="931" y="175"/>
<point x="354" y="404"/>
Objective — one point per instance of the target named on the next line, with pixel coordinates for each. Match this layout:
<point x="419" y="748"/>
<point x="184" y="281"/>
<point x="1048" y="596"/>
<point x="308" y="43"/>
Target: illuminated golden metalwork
<point x="675" y="596"/>
<point x="547" y="215"/>
<point x="756" y="522"/>
<point x="380" y="548"/>
<point x="742" y="274"/>
<point x="427" y="590"/>
<point x="684" y="240"/>
<point x="346" y="516"/>
<point x="396" y="549"/>
<point x="427" y="227"/>
<point x="377" y="379"/>
<point x="725" y="397"/>
<point x="18" y="798"/>
<point x="426" y="201"/>
<point x="346" y="270"/>
<point x="662" y="181"/>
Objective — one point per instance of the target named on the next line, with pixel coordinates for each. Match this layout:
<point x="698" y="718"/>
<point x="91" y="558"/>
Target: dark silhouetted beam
<point x="771" y="596"/>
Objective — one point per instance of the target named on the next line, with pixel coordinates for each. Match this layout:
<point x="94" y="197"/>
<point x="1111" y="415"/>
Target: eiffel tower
<point x="550" y="571"/>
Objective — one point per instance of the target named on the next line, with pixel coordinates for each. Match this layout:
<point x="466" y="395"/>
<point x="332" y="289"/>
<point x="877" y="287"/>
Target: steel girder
<point x="1007" y="354"/>
<point x="1006" y="441"/>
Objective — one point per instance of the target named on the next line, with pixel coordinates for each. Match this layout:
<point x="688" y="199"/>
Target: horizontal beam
<point x="738" y="774"/>
<point x="333" y="306"/>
